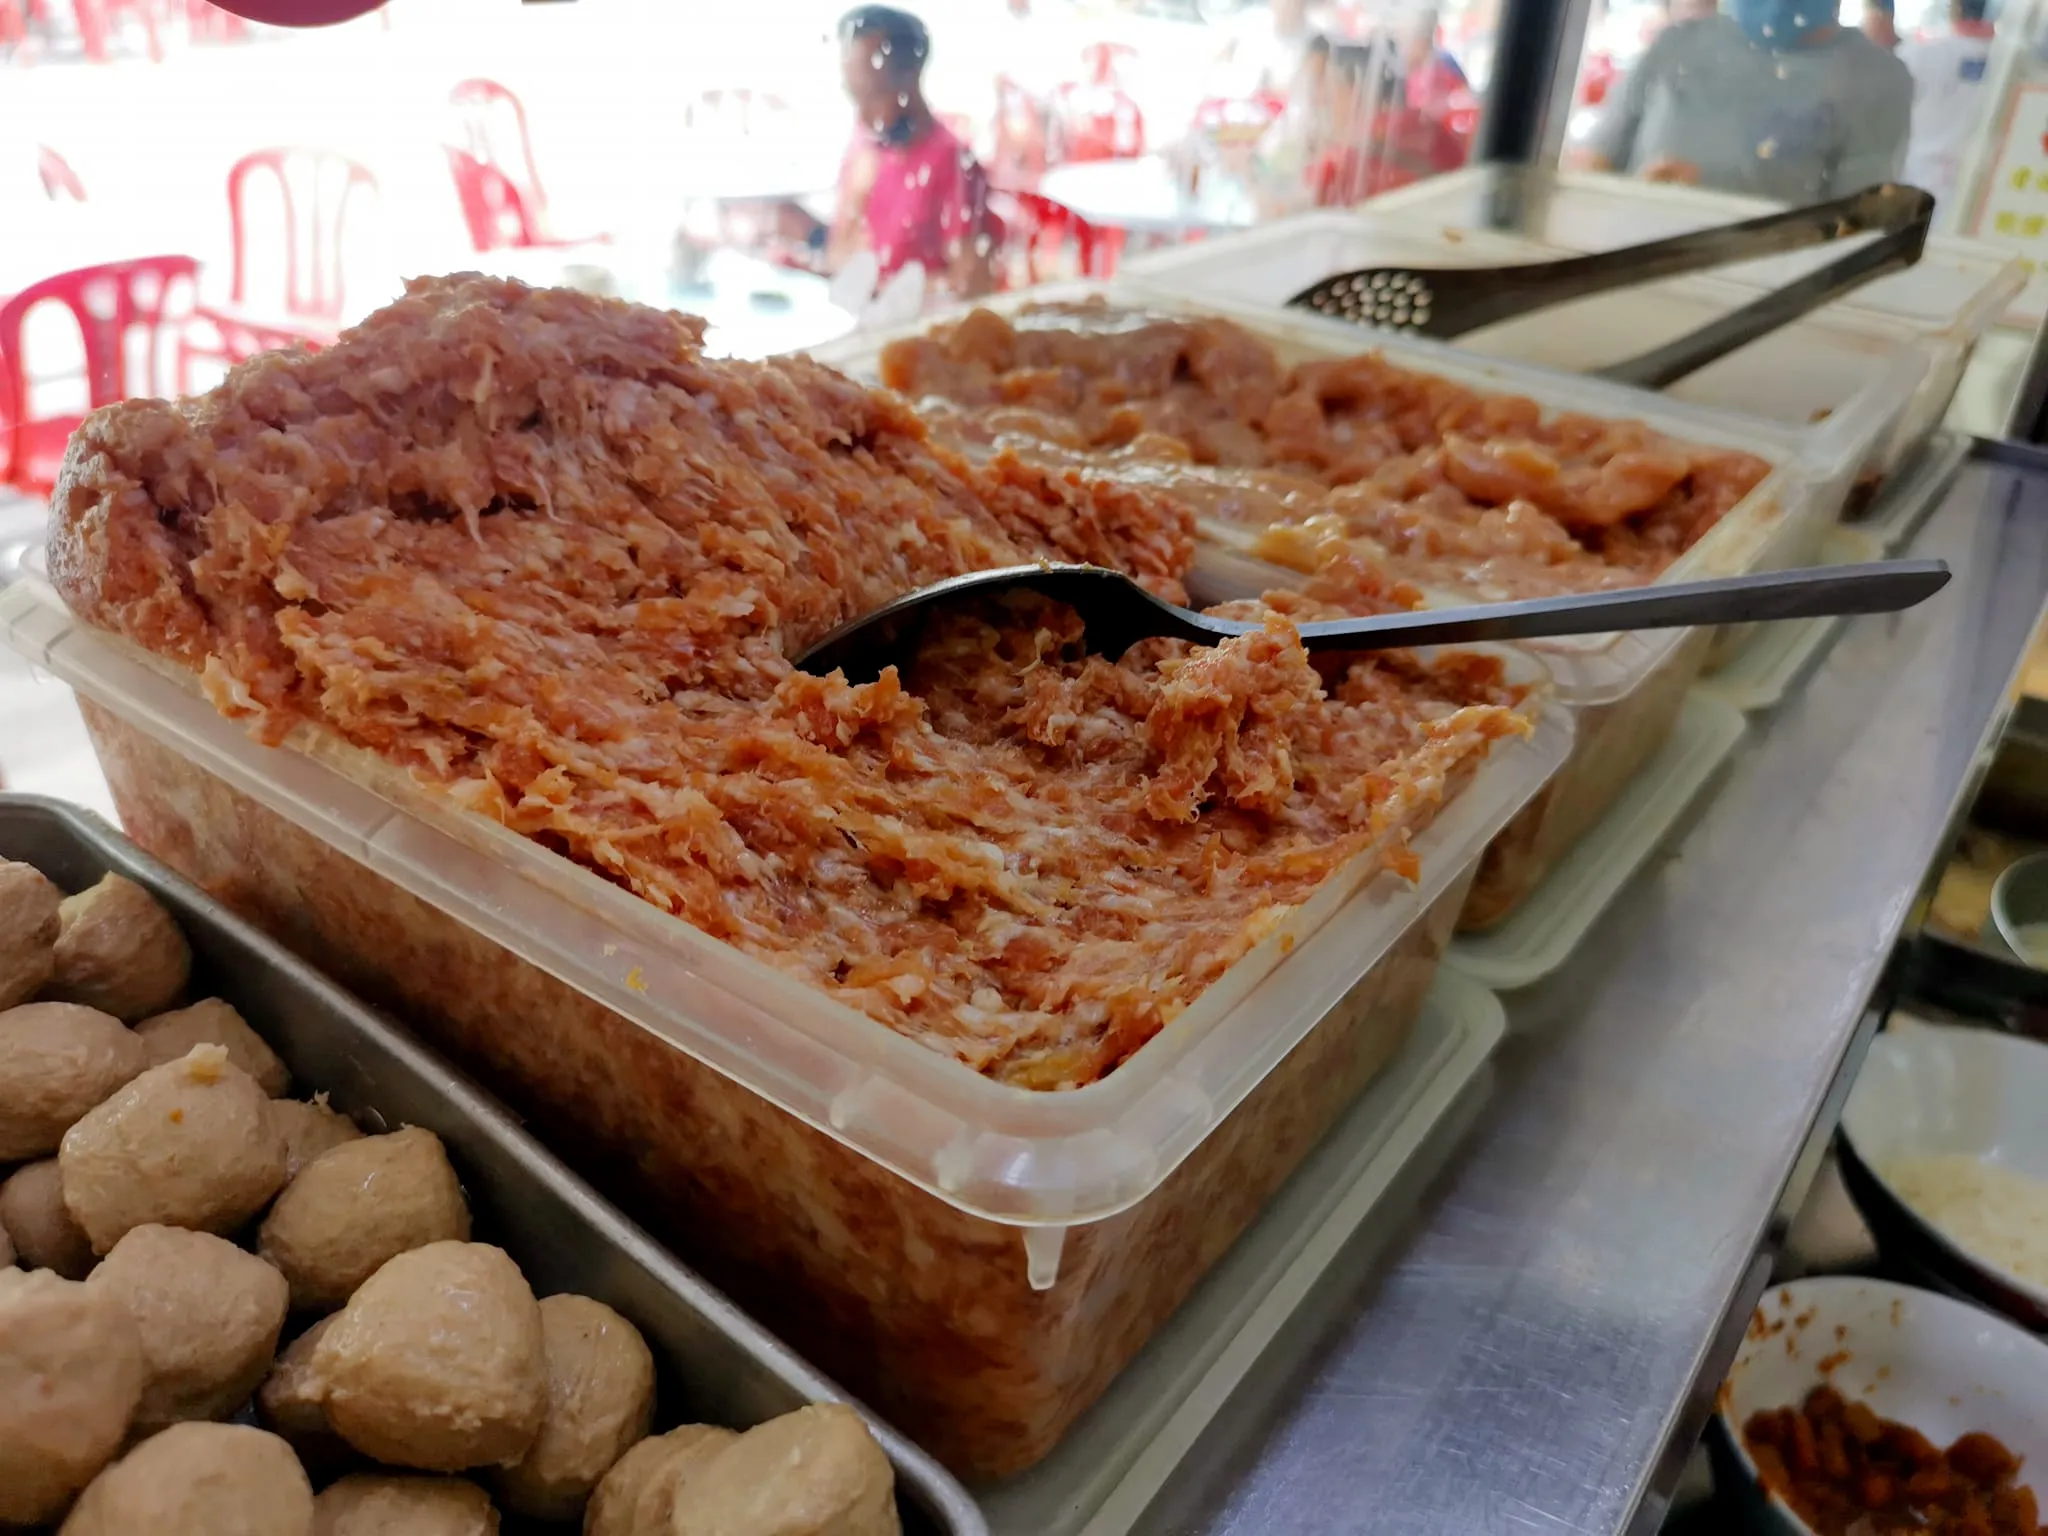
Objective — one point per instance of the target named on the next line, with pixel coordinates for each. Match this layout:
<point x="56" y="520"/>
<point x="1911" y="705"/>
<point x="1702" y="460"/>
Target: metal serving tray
<point x="718" y="1366"/>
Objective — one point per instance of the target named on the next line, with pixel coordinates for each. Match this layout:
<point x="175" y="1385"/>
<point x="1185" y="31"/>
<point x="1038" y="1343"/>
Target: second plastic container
<point x="1625" y="690"/>
<point x="1806" y="372"/>
<point x="977" y="1260"/>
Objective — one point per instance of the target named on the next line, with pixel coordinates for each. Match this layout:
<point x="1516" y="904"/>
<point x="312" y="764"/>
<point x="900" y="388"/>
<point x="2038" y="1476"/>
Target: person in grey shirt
<point x="1775" y="100"/>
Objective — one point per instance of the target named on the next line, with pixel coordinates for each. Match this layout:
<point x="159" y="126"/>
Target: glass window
<point x="777" y="170"/>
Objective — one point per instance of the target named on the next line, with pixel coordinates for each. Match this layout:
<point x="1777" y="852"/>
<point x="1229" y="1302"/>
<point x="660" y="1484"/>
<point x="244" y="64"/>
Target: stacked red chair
<point x="128" y="314"/>
<point x="316" y="191"/>
<point x="494" y="210"/>
<point x="60" y="182"/>
<point x="497" y="179"/>
<point x="1042" y="230"/>
<point x="1097" y="119"/>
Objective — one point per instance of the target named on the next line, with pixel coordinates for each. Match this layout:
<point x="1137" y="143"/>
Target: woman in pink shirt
<point x="910" y="190"/>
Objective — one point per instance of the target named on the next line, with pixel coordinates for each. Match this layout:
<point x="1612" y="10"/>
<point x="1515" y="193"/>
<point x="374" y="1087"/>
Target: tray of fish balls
<point x="267" y="1266"/>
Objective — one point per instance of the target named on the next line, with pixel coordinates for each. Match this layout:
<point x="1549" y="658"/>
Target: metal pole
<point x="1536" y="64"/>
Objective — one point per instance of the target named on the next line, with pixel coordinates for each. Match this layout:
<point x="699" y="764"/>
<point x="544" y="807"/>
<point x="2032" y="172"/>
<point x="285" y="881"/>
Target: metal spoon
<point x="1116" y="612"/>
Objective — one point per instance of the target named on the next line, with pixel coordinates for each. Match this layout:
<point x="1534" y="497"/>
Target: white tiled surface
<point x="43" y="746"/>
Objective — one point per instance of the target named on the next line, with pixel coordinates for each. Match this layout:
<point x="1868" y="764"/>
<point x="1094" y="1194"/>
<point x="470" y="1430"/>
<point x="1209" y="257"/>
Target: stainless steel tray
<point x="718" y="1365"/>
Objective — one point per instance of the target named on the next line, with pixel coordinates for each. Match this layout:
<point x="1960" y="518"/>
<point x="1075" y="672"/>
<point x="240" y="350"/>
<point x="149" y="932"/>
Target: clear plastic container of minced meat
<point x="1160" y="392"/>
<point x="1944" y="303"/>
<point x="1806" y="374"/>
<point x="482" y="694"/>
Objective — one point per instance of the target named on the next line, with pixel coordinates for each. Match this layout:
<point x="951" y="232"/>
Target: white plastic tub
<point x="1780" y="524"/>
<point x="980" y="1259"/>
<point x="1626" y="689"/>
<point x="1945" y="303"/>
<point x="1815" y="371"/>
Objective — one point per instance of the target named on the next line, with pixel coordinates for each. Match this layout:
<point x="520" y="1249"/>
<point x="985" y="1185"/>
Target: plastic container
<point x="1625" y="689"/>
<point x="1957" y="291"/>
<point x="1781" y="655"/>
<point x="717" y="1365"/>
<point x="1812" y="371"/>
<point x="1781" y="523"/>
<point x="1548" y="928"/>
<point x="1349" y="1200"/>
<point x="976" y="1260"/>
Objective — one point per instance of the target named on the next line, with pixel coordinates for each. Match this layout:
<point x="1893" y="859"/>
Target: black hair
<point x="904" y="41"/>
<point x="1972" y="10"/>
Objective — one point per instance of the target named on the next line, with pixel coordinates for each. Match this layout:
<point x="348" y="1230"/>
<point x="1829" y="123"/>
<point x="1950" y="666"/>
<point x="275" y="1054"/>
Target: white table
<point x="755" y="308"/>
<point x="1146" y="195"/>
<point x="778" y="162"/>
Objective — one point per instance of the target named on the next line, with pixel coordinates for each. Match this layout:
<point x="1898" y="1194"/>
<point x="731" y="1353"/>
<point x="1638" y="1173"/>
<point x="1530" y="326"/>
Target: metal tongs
<point x="1447" y="302"/>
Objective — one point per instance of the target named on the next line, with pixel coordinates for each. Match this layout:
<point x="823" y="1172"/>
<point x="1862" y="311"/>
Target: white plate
<point x="1942" y="1366"/>
<point x="1932" y="1088"/>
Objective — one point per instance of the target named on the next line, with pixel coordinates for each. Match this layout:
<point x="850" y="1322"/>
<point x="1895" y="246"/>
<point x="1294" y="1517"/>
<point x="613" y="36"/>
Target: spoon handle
<point x="1812" y="592"/>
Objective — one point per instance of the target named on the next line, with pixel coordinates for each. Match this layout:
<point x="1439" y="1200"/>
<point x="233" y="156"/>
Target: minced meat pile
<point x="1443" y="484"/>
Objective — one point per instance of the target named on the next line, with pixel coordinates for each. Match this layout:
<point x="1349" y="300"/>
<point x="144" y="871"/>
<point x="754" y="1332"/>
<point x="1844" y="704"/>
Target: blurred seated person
<point x="1353" y="130"/>
<point x="1431" y="81"/>
<point x="1299" y="134"/>
<point x="1947" y="66"/>
<point x="1263" y="53"/>
<point x="1775" y="100"/>
<point x="909" y="190"/>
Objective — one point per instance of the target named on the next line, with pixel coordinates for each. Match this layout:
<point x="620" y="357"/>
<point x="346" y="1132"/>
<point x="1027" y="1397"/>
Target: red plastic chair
<point x="492" y="207"/>
<point x="489" y="115"/>
<point x="484" y="110"/>
<point x="1404" y="146"/>
<point x="1040" y="229"/>
<point x="97" y="19"/>
<point x="1023" y="137"/>
<point x="208" y="23"/>
<point x="316" y="189"/>
<point x="1596" y="78"/>
<point x="1095" y="122"/>
<point x="116" y="306"/>
<point x="1238" y="119"/>
<point x="1098" y="119"/>
<point x="60" y="182"/>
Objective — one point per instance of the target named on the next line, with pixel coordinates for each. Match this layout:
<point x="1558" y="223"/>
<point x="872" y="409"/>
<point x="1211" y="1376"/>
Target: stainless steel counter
<point x="1540" y="1355"/>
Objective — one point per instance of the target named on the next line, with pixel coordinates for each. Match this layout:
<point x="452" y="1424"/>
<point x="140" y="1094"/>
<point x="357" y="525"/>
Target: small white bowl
<point x="1940" y="1365"/>
<point x="1931" y="1089"/>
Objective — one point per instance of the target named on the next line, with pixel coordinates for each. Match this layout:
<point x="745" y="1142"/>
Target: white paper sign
<point x="2012" y="211"/>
